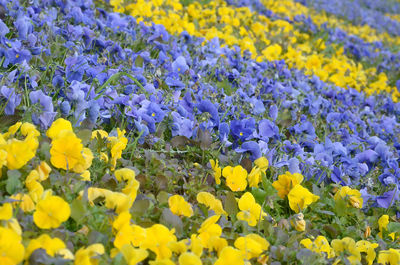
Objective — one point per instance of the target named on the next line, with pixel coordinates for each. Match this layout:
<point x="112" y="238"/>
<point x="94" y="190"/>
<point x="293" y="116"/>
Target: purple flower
<point x="179" y="65"/>
<point x="207" y="106"/>
<point x="12" y="99"/>
<point x="46" y="115"/>
<point x="267" y="129"/>
<point x="388" y="198"/>
<point x="24" y="26"/>
<point x="251" y="147"/>
<point x="369" y="156"/>
<point x="243" y="129"/>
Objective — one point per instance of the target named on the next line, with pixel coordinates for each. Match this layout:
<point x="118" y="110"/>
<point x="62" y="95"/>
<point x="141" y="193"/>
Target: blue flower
<point x="24" y="26"/>
<point x="243" y="129"/>
<point x="46" y="115"/>
<point x="207" y="106"/>
<point x="12" y="99"/>
<point x="388" y="198"/>
<point x="179" y="65"/>
<point x="251" y="147"/>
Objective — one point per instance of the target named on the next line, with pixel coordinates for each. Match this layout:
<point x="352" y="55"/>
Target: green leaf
<point x="259" y="195"/>
<point x="171" y="220"/>
<point x="84" y="135"/>
<point x="162" y="197"/>
<point x="140" y="207"/>
<point x="13" y="182"/>
<point x="231" y="206"/>
<point x="267" y="186"/>
<point x="393" y="227"/>
<point x="78" y="210"/>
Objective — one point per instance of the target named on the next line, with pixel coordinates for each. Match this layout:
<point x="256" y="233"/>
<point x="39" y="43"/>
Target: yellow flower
<point x="28" y="129"/>
<point x="262" y="163"/>
<point x="230" y="255"/>
<point x="133" y="255"/>
<point x="390" y="257"/>
<point x="24" y="201"/>
<point x="189" y="258"/>
<point x="51" y="245"/>
<point x="261" y="166"/>
<point x="162" y="262"/>
<point x="209" y="230"/>
<point x="250" y="211"/>
<point x="236" y="178"/>
<point x="103" y="134"/>
<point x="298" y="222"/>
<point x="252" y="245"/>
<point x="11" y="249"/>
<point x="89" y="255"/>
<point x="383" y="223"/>
<point x="128" y="175"/>
<point x="66" y="150"/>
<point x="272" y="52"/>
<point x="122" y="219"/>
<point x="157" y="239"/>
<point x="179" y="247"/>
<point x="179" y="206"/>
<point x="352" y="196"/>
<point x="211" y="202"/>
<point x="84" y="163"/>
<point x="51" y="212"/>
<point x="20" y="152"/>
<point x="117" y="145"/>
<point x="6" y="211"/>
<point x="319" y="245"/>
<point x="368" y="248"/>
<point x="44" y="170"/>
<point x="286" y="182"/>
<point x="130" y="234"/>
<point x="217" y="171"/>
<point x="58" y="126"/>
<point x="347" y="245"/>
<point x="299" y="198"/>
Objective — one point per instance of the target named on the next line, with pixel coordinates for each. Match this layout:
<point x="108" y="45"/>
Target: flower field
<point x="200" y="132"/>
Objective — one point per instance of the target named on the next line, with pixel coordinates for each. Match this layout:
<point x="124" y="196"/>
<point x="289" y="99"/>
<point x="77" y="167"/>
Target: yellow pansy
<point x="211" y="202"/>
<point x="217" y="171"/>
<point x="347" y="245"/>
<point x="230" y="255"/>
<point x="11" y="249"/>
<point x="51" y="212"/>
<point x="300" y="197"/>
<point x="320" y="245"/>
<point x="368" y="248"/>
<point x="189" y="258"/>
<point x="133" y="255"/>
<point x="352" y="196"/>
<point x="58" y="126"/>
<point x="179" y="206"/>
<point x="44" y="241"/>
<point x="389" y="257"/>
<point x="66" y="150"/>
<point x="251" y="245"/>
<point x="286" y="182"/>
<point x="236" y="177"/>
<point x="157" y="239"/>
<point x="6" y="211"/>
<point x="250" y="211"/>
<point x="89" y="255"/>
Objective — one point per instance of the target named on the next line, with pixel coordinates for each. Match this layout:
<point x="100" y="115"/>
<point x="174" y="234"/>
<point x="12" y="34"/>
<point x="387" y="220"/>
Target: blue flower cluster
<point x="70" y="59"/>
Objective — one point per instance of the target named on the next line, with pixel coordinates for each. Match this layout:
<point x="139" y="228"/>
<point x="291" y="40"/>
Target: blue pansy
<point x="12" y="99"/>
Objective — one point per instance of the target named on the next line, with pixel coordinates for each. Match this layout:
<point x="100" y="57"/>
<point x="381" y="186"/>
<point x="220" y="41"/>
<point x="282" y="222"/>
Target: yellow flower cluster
<point x="266" y="39"/>
<point x="155" y="243"/>
<point x="298" y="196"/>
<point x="290" y="8"/>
